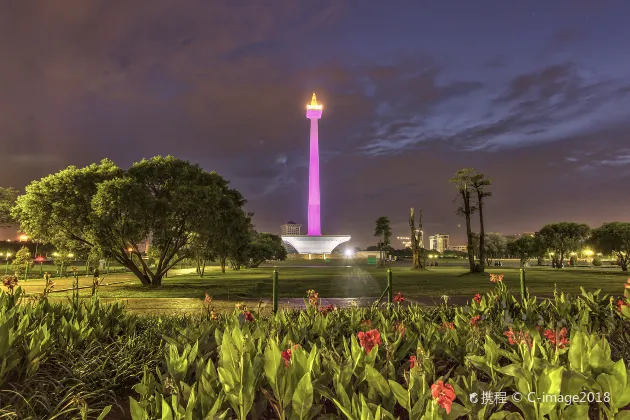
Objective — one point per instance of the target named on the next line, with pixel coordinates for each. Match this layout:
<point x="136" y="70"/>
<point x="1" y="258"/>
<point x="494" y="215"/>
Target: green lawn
<point x="347" y="282"/>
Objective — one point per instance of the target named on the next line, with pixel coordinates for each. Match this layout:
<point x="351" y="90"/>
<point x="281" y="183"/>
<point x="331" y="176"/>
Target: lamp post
<point x="348" y="255"/>
<point x="130" y="249"/>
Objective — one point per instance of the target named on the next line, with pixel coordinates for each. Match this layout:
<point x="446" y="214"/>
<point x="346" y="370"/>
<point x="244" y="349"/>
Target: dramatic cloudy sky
<point x="535" y="94"/>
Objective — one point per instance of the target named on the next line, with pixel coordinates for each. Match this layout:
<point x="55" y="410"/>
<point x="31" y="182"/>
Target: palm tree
<point x="479" y="183"/>
<point x="462" y="181"/>
<point x="384" y="232"/>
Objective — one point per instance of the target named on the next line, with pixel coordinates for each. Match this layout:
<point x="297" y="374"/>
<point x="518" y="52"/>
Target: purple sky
<point x="535" y="94"/>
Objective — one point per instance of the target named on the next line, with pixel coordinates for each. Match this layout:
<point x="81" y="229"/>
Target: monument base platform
<point x="324" y="244"/>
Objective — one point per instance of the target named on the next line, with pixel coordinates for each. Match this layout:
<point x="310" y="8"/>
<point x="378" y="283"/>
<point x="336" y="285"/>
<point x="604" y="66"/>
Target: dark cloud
<point x="224" y="84"/>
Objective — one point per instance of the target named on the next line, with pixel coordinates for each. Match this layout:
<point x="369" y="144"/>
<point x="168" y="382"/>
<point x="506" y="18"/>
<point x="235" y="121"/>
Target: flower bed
<point x="325" y="363"/>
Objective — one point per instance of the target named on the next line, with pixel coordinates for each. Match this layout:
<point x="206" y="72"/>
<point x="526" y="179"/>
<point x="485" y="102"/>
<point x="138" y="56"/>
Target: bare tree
<point x="416" y="240"/>
<point x="479" y="183"/>
<point x="462" y="181"/>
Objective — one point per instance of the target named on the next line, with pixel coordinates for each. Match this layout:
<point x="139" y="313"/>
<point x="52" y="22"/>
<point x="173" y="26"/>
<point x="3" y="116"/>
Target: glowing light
<point x="130" y="249"/>
<point x="348" y="253"/>
<point x="588" y="252"/>
<point x="39" y="259"/>
<point x="314" y="112"/>
<point x="55" y="254"/>
<point x="9" y="255"/>
<point x="314" y="104"/>
<point x="70" y="255"/>
<point x="23" y="238"/>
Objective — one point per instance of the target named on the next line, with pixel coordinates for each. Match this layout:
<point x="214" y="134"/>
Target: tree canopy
<point x="559" y="239"/>
<point x="111" y="210"/>
<point x="614" y="238"/>
<point x="524" y="248"/>
<point x="7" y="201"/>
<point x="266" y="246"/>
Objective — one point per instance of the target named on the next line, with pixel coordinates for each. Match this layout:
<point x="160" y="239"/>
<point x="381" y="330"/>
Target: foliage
<point x="22" y="261"/>
<point x="597" y="262"/>
<point x="613" y="238"/>
<point x="361" y="363"/>
<point x="106" y="208"/>
<point x="559" y="239"/>
<point x="524" y="248"/>
<point x="384" y="231"/>
<point x="266" y="246"/>
<point x="7" y="201"/>
<point x="495" y="247"/>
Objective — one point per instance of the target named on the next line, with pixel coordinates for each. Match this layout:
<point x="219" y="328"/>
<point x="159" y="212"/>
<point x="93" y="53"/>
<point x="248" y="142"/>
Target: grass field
<point x="184" y="291"/>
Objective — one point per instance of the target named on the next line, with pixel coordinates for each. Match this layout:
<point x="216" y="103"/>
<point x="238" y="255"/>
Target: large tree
<point x="614" y="238"/>
<point x="463" y="183"/>
<point x="104" y="207"/>
<point x="524" y="248"/>
<point x="480" y="185"/>
<point x="7" y="201"/>
<point x="265" y="246"/>
<point x="416" y="239"/>
<point x="495" y="247"/>
<point x="559" y="239"/>
<point x="384" y="232"/>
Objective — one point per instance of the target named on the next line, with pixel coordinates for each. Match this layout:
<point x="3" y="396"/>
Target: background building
<point x="460" y="248"/>
<point x="439" y="242"/>
<point x="406" y="240"/>
<point x="291" y="228"/>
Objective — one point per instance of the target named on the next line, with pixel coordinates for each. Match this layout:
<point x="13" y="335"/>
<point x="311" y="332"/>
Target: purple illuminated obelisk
<point x="314" y="113"/>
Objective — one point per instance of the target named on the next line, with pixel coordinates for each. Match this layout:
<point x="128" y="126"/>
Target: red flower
<point x="518" y="337"/>
<point x="286" y="354"/>
<point x="248" y="316"/>
<point x="412" y="362"/>
<point x="208" y="299"/>
<point x="477" y="298"/>
<point x="10" y="282"/>
<point x="368" y="322"/>
<point x="496" y="278"/>
<point x="400" y="327"/>
<point x="475" y="320"/>
<point x="448" y="325"/>
<point x="444" y="394"/>
<point x="559" y="340"/>
<point x="313" y="298"/>
<point x="620" y="304"/>
<point x="400" y="298"/>
<point x="327" y="309"/>
<point x="369" y="339"/>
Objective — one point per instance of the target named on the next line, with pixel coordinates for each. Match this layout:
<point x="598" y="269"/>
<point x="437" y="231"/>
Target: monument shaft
<point x="314" y="220"/>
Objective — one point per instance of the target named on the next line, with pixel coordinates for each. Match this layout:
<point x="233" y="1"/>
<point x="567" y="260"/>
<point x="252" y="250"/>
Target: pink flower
<point x="400" y="298"/>
<point x="208" y="299"/>
<point x="475" y="320"/>
<point x="477" y="298"/>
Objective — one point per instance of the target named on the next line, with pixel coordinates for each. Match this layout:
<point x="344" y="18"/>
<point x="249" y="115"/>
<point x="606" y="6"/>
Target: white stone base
<point x="315" y="244"/>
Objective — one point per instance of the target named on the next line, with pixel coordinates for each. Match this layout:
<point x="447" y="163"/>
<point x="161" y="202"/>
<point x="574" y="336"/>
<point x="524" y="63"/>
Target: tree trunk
<point x="482" y="241"/>
<point x="222" y="260"/>
<point x="471" y="258"/>
<point x="156" y="281"/>
<point x="203" y="268"/>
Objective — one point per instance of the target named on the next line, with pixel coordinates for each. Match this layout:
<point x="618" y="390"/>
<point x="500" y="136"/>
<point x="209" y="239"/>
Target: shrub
<point x="597" y="262"/>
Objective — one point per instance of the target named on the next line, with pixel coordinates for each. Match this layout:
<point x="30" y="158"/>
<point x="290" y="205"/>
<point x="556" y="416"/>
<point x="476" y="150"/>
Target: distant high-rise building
<point x="439" y="242"/>
<point x="291" y="228"/>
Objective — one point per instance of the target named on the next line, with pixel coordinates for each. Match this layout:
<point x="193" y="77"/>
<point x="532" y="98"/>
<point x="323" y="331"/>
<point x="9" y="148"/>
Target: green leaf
<point x="578" y="355"/>
<point x="376" y="380"/>
<point x="167" y="413"/>
<point x="623" y="415"/>
<point x="137" y="411"/>
<point x="302" y="400"/>
<point x="401" y="394"/>
<point x="549" y="383"/>
<point x="105" y="411"/>
<point x="457" y="410"/>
